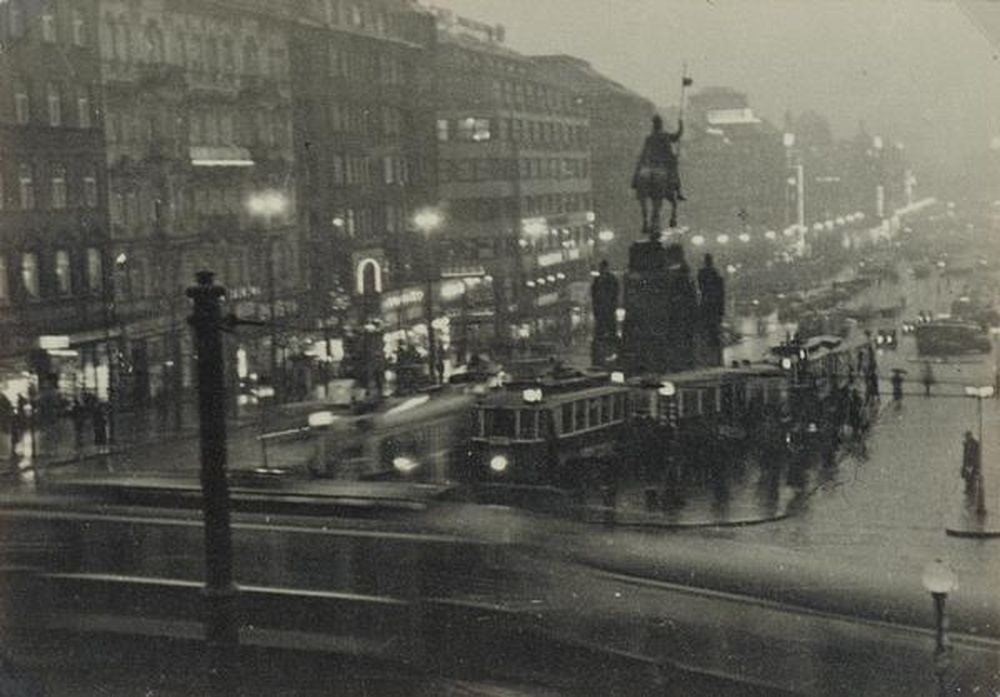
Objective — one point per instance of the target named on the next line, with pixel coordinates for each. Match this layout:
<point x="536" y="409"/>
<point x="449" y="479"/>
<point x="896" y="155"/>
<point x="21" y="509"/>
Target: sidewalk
<point x="58" y="442"/>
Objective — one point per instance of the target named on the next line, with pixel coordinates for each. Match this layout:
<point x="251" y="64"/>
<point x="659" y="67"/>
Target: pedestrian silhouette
<point x="971" y="463"/>
<point x="927" y="377"/>
<point x="99" y="419"/>
<point x="897" y="385"/>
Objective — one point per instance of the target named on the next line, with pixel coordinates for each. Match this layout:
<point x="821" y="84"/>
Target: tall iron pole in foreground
<point x="221" y="633"/>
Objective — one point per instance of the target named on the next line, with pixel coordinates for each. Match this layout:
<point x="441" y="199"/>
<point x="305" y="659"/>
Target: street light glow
<point x="427" y="219"/>
<point x="939" y="577"/>
<point x="606" y="235"/>
<point x="267" y="203"/>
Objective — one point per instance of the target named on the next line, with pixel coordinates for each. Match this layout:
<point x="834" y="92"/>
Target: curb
<point x="972" y="534"/>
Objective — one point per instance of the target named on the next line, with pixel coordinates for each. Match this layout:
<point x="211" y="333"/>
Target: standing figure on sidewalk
<point x="971" y="463"/>
<point x="927" y="377"/>
<point x="78" y="414"/>
<point x="656" y="177"/>
<point x="7" y="420"/>
<point x="99" y="418"/>
<point x="897" y="385"/>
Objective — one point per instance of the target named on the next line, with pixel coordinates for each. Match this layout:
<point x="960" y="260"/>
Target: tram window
<point x="606" y="409"/>
<point x="580" y="416"/>
<point x="500" y="423"/>
<point x="727" y="400"/>
<point x="619" y="407"/>
<point x="528" y="425"/>
<point x="710" y="400"/>
<point x="593" y="412"/>
<point x="545" y="424"/>
<point x="567" y="417"/>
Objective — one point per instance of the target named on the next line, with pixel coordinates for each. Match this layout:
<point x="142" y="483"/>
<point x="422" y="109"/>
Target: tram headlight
<point x="499" y="463"/>
<point x="532" y="395"/>
<point x="404" y="465"/>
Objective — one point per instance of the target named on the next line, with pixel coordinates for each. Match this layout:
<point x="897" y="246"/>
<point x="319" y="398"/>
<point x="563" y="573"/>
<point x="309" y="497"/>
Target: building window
<point x="95" y="276"/>
<point x="15" y="19"/>
<point x="22" y="105"/>
<point x="251" y="58"/>
<point x="26" y="187"/>
<point x="90" y="190"/>
<point x="388" y="169"/>
<point x="58" y="187"/>
<point x="228" y="57"/>
<point x="29" y="274"/>
<point x="49" y="25"/>
<point x="442" y="130"/>
<point x="79" y="29"/>
<point x="4" y="281"/>
<point x="83" y="111"/>
<point x="55" y="105"/>
<point x="64" y="273"/>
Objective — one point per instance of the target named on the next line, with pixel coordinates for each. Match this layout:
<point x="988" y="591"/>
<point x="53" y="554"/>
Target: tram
<point x="562" y="430"/>
<point x="712" y="403"/>
<point x="422" y="438"/>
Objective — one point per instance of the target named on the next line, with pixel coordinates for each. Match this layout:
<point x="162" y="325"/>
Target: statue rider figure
<point x="656" y="177"/>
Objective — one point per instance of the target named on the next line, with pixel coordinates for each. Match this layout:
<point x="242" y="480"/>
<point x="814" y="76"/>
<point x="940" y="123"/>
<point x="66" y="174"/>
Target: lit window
<point x="29" y="274"/>
<point x="22" y="107"/>
<point x="48" y="25"/>
<point x="95" y="280"/>
<point x="26" y="187"/>
<point x="442" y="130"/>
<point x="55" y="105"/>
<point x="388" y="169"/>
<point x="58" y="187"/>
<point x="64" y="274"/>
<point x="83" y="111"/>
<point x="90" y="191"/>
<point x="79" y="29"/>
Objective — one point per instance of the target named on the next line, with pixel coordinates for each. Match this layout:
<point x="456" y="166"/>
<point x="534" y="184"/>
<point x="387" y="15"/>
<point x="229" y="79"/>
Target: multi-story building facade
<point x="53" y="217"/>
<point x="198" y="121"/>
<point x="620" y="120"/>
<point x="734" y="166"/>
<point x="514" y="181"/>
<point x="364" y="130"/>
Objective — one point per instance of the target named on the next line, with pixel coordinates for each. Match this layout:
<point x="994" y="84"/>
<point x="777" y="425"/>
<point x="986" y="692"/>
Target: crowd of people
<point x="22" y="420"/>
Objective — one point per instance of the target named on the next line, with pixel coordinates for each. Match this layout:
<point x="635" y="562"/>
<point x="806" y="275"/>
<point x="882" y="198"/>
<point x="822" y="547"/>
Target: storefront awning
<point x="220" y="156"/>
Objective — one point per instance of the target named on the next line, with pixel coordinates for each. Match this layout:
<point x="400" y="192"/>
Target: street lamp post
<point x="264" y="206"/>
<point x="221" y="632"/>
<point x="980" y="393"/>
<point x="116" y="363"/>
<point x="939" y="579"/>
<point x="427" y="220"/>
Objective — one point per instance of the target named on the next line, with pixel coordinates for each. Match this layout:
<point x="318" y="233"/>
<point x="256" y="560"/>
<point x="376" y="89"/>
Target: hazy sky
<point x="920" y="71"/>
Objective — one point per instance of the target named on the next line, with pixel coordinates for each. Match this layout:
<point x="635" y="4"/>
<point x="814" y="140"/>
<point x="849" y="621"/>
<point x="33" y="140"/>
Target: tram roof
<point x="705" y="375"/>
<point x="513" y="395"/>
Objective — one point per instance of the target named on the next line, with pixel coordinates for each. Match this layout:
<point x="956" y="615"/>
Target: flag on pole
<point x="687" y="81"/>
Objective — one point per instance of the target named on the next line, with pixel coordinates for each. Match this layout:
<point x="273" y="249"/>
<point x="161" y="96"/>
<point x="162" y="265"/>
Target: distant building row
<point x="324" y="158"/>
